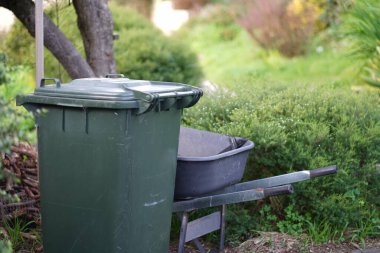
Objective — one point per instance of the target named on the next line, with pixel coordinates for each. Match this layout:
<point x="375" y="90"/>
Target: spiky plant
<point x="362" y="26"/>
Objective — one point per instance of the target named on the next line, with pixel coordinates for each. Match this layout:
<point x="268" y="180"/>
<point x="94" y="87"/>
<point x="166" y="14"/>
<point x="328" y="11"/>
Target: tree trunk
<point x="54" y="39"/>
<point x="96" y="26"/>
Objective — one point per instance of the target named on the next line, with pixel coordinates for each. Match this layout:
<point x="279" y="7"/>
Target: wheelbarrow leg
<point x="191" y="231"/>
<point x="184" y="218"/>
<point x="182" y="235"/>
<point x="222" y="227"/>
<point x="200" y="248"/>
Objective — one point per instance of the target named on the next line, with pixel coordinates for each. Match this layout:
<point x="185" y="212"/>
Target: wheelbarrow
<point x="209" y="169"/>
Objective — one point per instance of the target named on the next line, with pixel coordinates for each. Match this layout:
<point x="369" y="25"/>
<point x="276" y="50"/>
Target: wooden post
<point x="39" y="23"/>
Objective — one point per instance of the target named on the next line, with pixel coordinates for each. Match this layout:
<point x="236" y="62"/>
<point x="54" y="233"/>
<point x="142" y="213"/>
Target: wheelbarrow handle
<point x="279" y="190"/>
<point x="323" y="171"/>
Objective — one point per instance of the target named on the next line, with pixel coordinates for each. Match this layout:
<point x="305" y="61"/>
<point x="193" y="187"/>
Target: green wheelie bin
<point x="107" y="156"/>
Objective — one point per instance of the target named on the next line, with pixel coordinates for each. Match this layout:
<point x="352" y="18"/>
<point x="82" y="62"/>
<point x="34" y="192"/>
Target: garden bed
<point x="273" y="242"/>
<point x="21" y="171"/>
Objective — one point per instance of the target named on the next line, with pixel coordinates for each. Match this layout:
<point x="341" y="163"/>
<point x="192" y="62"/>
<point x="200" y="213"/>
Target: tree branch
<point x="54" y="39"/>
<point x="96" y="26"/>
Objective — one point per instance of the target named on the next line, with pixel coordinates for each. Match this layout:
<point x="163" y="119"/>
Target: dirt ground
<point x="272" y="242"/>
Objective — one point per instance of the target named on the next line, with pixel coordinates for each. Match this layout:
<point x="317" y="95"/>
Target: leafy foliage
<point x="241" y="226"/>
<point x="2" y="68"/>
<point x="161" y="59"/>
<point x="299" y="127"/>
<point x="362" y="27"/>
<point x="293" y="222"/>
<point x="15" y="123"/>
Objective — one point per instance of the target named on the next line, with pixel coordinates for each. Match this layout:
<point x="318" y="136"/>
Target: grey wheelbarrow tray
<point x="208" y="161"/>
<point x="231" y="193"/>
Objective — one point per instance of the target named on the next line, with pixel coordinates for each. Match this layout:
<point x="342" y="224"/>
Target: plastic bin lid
<point x="113" y="93"/>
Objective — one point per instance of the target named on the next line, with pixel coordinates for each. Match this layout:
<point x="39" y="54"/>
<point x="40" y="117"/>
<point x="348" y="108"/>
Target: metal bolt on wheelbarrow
<point x="209" y="167"/>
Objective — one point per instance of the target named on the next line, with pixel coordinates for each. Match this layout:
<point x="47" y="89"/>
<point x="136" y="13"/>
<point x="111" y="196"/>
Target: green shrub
<point x="125" y="18"/>
<point x="362" y="28"/>
<point x="19" y="46"/>
<point x="15" y="123"/>
<point x="293" y="223"/>
<point x="240" y="225"/>
<point x="2" y="67"/>
<point x="305" y="127"/>
<point x="161" y="59"/>
<point x="142" y="52"/>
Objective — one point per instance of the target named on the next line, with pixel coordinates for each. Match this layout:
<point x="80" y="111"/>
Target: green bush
<point x="142" y="52"/>
<point x="362" y="28"/>
<point x="15" y="123"/>
<point x="18" y="46"/>
<point x="2" y="67"/>
<point x="161" y="59"/>
<point x="305" y="127"/>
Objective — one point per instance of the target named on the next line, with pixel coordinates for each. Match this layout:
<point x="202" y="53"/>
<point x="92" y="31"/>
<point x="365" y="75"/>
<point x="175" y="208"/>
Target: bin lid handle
<point x="115" y="76"/>
<point x="149" y="100"/>
<point x="57" y="82"/>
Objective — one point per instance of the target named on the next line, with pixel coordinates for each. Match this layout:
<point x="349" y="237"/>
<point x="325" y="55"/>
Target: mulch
<point x="20" y="182"/>
<point x="273" y="242"/>
<point x="20" y="171"/>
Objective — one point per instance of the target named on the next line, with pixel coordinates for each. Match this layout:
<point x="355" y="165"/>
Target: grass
<point x="321" y="232"/>
<point x="230" y="61"/>
<point x="15" y="232"/>
<point x="361" y="27"/>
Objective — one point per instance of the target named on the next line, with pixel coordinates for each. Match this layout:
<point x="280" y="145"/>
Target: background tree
<point x="96" y="27"/>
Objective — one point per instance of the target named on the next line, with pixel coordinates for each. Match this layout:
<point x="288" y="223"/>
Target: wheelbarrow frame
<point x="237" y="193"/>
